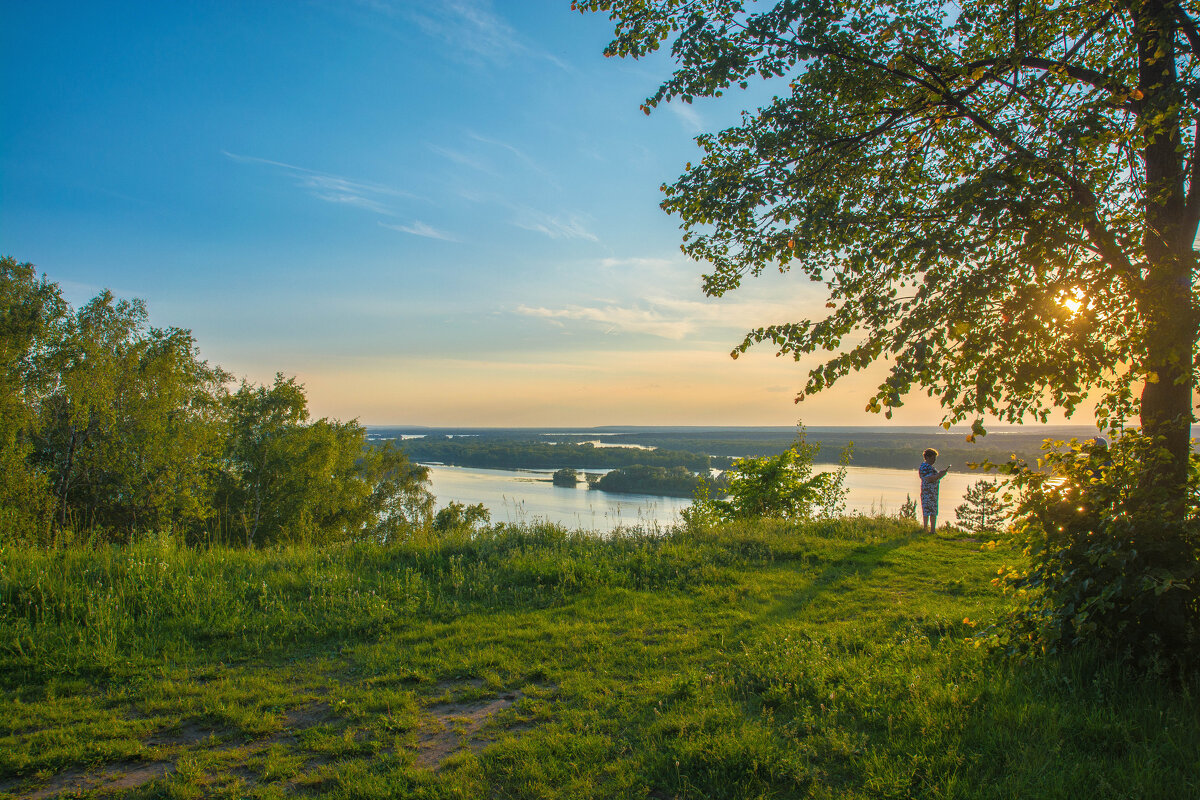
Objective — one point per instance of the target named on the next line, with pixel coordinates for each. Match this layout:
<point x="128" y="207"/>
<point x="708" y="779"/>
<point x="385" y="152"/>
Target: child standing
<point x="930" y="479"/>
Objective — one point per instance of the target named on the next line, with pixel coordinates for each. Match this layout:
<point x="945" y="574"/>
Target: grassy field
<point x="757" y="661"/>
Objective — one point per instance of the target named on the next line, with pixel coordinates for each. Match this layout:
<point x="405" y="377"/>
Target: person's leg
<point x="933" y="522"/>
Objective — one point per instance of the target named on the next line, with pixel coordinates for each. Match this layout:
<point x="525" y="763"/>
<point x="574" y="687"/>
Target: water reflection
<point x="528" y="496"/>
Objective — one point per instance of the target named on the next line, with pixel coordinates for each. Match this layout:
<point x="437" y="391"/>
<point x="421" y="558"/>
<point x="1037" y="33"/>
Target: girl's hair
<point x="930" y="452"/>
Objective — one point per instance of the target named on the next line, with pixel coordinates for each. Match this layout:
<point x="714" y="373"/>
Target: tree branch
<point x="1085" y="38"/>
<point x="1103" y="238"/>
<point x="1188" y="26"/>
<point x="1082" y="74"/>
<point x="1192" y="203"/>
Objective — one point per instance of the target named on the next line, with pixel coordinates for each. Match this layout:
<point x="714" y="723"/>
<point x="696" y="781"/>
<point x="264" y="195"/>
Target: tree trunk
<point x="1165" y="296"/>
<point x="65" y="484"/>
<point x="1167" y="396"/>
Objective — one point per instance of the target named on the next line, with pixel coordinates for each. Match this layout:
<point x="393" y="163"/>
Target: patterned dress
<point x="929" y="489"/>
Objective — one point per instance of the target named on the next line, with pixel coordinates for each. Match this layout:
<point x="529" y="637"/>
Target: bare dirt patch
<point x="454" y="726"/>
<point x="447" y="727"/>
<point x="112" y="778"/>
<point x="298" y="720"/>
<point x="187" y="733"/>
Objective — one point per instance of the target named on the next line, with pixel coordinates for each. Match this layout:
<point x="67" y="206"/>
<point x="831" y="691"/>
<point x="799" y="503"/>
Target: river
<point x="528" y="495"/>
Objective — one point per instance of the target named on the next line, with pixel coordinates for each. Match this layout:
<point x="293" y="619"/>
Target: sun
<point x="1073" y="300"/>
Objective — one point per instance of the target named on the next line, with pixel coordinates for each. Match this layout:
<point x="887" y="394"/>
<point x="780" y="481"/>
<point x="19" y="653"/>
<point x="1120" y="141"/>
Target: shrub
<point x="983" y="509"/>
<point x="456" y="515"/>
<point x="1108" y="570"/>
<point x="782" y="487"/>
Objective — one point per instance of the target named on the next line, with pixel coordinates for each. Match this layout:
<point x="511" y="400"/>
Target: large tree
<point x="128" y="431"/>
<point x="285" y="478"/>
<point x="33" y="316"/>
<point x="1001" y="197"/>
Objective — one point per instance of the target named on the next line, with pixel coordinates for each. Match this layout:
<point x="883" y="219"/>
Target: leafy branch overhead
<point x="1001" y="199"/>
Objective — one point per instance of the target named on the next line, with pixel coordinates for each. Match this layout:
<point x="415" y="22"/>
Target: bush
<point x="983" y="510"/>
<point x="456" y="515"/>
<point x="1109" y="569"/>
<point x="780" y="487"/>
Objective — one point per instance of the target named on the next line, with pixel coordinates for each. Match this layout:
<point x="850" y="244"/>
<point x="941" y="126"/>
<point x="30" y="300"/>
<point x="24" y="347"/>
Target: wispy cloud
<point x="556" y="227"/>
<point x="331" y="188"/>
<point x="616" y="319"/>
<point x="459" y="157"/>
<point x="637" y="262"/>
<point x="469" y="30"/>
<point x="470" y="26"/>
<point x="418" y="228"/>
<point x="667" y="316"/>
<point x="523" y="157"/>
<point x="687" y="115"/>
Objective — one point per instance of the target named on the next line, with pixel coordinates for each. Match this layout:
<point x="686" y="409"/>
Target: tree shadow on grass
<point x="860" y="561"/>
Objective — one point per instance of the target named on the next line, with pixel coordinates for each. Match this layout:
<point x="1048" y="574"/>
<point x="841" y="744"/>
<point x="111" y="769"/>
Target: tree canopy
<point x="110" y="427"/>
<point x="1001" y="199"/>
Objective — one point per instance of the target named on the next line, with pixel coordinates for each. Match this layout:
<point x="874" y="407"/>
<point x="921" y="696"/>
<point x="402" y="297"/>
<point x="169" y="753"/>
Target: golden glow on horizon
<point x="647" y="388"/>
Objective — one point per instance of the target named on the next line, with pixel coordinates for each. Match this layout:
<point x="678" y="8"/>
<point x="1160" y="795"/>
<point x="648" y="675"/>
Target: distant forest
<point x="897" y="448"/>
<point x="504" y="453"/>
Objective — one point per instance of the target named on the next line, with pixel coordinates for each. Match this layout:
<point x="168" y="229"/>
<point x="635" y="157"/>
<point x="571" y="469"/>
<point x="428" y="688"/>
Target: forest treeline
<point x="515" y="454"/>
<point x="110" y="426"/>
<point x="900" y="448"/>
<point x="891" y="449"/>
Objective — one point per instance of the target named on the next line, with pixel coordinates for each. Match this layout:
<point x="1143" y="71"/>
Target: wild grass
<point x="751" y="660"/>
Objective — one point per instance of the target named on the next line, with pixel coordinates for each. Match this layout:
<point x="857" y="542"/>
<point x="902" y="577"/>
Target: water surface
<point x="528" y="495"/>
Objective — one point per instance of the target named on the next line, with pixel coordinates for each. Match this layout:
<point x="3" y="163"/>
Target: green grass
<point x="760" y="660"/>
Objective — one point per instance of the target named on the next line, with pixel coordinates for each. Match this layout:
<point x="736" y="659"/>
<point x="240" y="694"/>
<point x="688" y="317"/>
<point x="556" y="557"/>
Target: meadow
<point x="757" y="659"/>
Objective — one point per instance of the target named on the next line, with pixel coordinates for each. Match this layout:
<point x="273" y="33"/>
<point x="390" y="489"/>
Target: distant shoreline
<point x="537" y="448"/>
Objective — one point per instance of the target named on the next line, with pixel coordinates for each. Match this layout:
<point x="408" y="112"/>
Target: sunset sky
<point x="431" y="213"/>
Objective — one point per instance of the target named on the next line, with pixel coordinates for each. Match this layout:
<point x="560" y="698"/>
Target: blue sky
<point x="431" y="213"/>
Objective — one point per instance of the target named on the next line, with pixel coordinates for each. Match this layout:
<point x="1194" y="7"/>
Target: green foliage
<point x="111" y="428"/>
<point x="909" y="509"/>
<point x="32" y="317"/>
<point x="400" y="501"/>
<point x="1109" y="568"/>
<point x="781" y="486"/>
<point x="458" y="516"/>
<point x="286" y="479"/>
<point x="677" y="481"/>
<point x="128" y="435"/>
<point x="999" y="199"/>
<point x="983" y="508"/>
